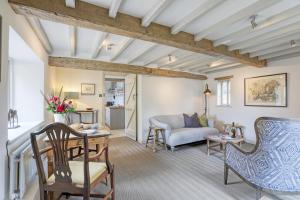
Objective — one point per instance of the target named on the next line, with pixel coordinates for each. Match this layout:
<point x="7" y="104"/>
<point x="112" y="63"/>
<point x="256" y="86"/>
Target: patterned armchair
<point x="274" y="164"/>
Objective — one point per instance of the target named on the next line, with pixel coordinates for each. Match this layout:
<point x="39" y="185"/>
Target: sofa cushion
<point x="189" y="135"/>
<point x="203" y="121"/>
<point x="191" y="121"/>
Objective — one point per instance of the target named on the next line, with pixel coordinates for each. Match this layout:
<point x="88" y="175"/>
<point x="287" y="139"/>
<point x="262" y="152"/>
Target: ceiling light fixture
<point x="253" y="21"/>
<point x="293" y="43"/>
<point x="171" y="58"/>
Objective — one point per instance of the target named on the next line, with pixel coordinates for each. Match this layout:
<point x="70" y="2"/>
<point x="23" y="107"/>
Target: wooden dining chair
<point x="70" y="177"/>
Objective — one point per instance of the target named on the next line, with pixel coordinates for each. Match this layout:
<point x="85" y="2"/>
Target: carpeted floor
<point x="186" y="174"/>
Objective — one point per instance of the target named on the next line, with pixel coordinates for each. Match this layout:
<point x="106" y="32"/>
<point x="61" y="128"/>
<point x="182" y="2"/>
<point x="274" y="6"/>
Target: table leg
<point x="148" y="136"/>
<point x="154" y="141"/>
<point x="207" y="142"/>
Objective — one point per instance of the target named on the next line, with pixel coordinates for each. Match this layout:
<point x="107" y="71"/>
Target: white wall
<point x="9" y="18"/>
<point x="164" y="96"/>
<point x="28" y="100"/>
<point x="71" y="80"/>
<point x="246" y="115"/>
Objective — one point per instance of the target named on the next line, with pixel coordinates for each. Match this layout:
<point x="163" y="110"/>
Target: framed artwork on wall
<point x="88" y="89"/>
<point x="267" y="91"/>
<point x="0" y="46"/>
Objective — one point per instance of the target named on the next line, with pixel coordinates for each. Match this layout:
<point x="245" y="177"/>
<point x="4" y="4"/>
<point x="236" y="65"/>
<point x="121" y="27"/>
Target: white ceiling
<point x="226" y="23"/>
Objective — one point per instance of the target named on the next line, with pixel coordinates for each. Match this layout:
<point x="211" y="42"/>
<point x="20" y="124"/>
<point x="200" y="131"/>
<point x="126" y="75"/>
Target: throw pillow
<point x="203" y="121"/>
<point x="191" y="121"/>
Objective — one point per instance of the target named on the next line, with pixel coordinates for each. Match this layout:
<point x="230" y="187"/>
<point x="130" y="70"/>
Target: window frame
<point x="220" y="93"/>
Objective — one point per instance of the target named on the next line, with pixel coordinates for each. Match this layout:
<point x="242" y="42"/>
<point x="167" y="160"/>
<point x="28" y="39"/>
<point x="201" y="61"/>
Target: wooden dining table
<point x="75" y="143"/>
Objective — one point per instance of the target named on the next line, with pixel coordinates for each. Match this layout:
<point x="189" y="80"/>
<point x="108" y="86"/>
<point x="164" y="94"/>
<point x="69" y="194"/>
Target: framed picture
<point x="0" y="45"/>
<point x="88" y="89"/>
<point x="268" y="91"/>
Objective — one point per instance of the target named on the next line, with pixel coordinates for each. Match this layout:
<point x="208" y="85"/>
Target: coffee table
<point x="214" y="141"/>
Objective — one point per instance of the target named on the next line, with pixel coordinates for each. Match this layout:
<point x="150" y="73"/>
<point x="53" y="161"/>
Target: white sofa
<point x="177" y="134"/>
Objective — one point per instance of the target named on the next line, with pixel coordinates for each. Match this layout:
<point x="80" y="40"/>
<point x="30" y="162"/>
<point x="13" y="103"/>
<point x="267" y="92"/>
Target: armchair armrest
<point x="238" y="159"/>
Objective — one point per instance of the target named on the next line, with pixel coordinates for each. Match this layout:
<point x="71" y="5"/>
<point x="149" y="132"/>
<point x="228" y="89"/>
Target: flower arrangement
<point x="57" y="105"/>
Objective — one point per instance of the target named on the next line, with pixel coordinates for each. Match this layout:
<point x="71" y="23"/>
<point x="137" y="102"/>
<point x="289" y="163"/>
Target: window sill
<point x="25" y="129"/>
<point x="224" y="106"/>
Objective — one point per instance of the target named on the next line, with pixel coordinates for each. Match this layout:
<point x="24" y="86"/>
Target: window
<point x="223" y="92"/>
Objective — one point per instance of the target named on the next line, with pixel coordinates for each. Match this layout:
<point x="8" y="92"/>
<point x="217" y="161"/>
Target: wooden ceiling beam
<point x="73" y="40"/>
<point x="241" y="14"/>
<point x="40" y="33"/>
<point x="95" y="17"/>
<point x="198" y="12"/>
<point x="122" y="49"/>
<point x="143" y="53"/>
<point x="273" y="49"/>
<point x="99" y="44"/>
<point x="154" y="12"/>
<point x="286" y="39"/>
<point x="162" y="55"/>
<point x="114" y="8"/>
<point x="76" y="63"/>
<point x="282" y="19"/>
<point x="279" y="33"/>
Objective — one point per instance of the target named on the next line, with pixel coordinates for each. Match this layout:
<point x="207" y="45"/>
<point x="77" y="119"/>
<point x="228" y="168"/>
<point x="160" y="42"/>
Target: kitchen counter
<point x="115" y="117"/>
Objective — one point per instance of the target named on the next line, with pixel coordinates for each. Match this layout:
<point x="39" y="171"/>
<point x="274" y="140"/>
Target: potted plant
<point x="59" y="107"/>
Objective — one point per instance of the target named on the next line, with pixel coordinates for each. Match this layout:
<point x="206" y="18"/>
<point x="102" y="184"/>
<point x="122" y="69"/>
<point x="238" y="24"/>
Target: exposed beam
<point x="73" y="40"/>
<point x="71" y="3"/>
<point x="154" y="12"/>
<point x="244" y="13"/>
<point x="189" y="62"/>
<point x="200" y="64"/>
<point x="95" y="17"/>
<point x="114" y="8"/>
<point x="148" y="62"/>
<point x="179" y="61"/>
<point x="279" y="33"/>
<point x="204" y="8"/>
<point x="122" y="49"/>
<point x="76" y="63"/>
<point x="99" y="44"/>
<point x="282" y="19"/>
<point x="273" y="49"/>
<point x="40" y="33"/>
<point x="282" y="52"/>
<point x="283" y="57"/>
<point x="271" y="43"/>
<point x="221" y="66"/>
<point x="138" y="56"/>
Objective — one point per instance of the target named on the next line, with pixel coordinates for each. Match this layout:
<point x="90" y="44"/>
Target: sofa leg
<point x="225" y="174"/>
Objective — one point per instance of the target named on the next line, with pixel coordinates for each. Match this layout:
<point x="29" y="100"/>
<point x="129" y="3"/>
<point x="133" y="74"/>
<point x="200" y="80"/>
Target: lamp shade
<point x="71" y="95"/>
<point x="207" y="91"/>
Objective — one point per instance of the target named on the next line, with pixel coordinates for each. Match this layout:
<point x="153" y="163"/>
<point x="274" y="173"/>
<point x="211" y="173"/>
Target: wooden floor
<point x="186" y="174"/>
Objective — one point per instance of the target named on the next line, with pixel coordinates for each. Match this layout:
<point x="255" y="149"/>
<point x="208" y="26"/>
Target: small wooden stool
<point x="153" y="135"/>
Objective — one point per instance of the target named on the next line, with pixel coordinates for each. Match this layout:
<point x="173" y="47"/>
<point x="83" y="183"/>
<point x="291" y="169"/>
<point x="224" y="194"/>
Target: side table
<point x="153" y="135"/>
<point x="220" y="141"/>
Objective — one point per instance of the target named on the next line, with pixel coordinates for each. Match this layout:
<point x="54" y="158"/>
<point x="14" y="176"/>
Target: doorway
<point x="120" y="104"/>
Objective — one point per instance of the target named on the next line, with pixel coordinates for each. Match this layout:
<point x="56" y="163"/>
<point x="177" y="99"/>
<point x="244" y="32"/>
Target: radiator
<point x="22" y="171"/>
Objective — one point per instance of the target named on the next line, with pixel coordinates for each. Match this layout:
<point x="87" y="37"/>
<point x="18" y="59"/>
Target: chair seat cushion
<point x="77" y="168"/>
